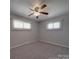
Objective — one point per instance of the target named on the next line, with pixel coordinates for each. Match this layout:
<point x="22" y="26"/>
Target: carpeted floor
<point x="39" y="50"/>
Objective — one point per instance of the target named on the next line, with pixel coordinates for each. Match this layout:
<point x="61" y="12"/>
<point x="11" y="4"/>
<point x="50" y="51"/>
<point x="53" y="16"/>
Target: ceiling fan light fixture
<point x="38" y="10"/>
<point x="36" y="13"/>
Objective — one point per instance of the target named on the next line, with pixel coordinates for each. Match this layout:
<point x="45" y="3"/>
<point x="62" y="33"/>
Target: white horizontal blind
<point x="53" y="25"/>
<point x="56" y="25"/>
<point x="17" y="24"/>
<point x="50" y="26"/>
<point x="27" y="25"/>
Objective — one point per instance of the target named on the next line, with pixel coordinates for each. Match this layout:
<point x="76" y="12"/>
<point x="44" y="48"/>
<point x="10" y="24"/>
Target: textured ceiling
<point x="55" y="8"/>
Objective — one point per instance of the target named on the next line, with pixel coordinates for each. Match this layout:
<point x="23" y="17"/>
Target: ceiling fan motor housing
<point x="37" y="9"/>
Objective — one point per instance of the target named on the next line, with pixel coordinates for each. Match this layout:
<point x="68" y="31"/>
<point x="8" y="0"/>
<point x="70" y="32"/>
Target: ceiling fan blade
<point x="44" y="13"/>
<point x="31" y="9"/>
<point x="30" y="14"/>
<point x="43" y="6"/>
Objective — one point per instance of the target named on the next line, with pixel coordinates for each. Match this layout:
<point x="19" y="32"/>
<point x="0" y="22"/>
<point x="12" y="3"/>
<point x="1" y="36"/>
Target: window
<point x="53" y="25"/>
<point x="50" y="26"/>
<point x="56" y="25"/>
<point x="17" y="24"/>
<point x="27" y="25"/>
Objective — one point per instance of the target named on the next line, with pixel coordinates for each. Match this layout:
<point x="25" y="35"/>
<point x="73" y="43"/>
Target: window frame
<point x="61" y="26"/>
<point x="19" y="29"/>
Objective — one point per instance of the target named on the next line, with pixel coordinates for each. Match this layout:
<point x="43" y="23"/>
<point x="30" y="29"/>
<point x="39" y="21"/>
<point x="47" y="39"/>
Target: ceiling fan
<point x="38" y="10"/>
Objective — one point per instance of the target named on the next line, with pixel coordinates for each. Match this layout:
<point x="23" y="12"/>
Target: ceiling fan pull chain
<point x="36" y="17"/>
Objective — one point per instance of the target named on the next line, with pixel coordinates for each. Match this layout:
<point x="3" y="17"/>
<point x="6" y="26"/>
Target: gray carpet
<point x="39" y="50"/>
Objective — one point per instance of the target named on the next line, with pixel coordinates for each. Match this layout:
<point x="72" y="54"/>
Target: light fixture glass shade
<point x="36" y="13"/>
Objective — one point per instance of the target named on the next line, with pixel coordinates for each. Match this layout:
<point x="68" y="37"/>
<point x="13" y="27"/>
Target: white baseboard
<point x="55" y="43"/>
<point x="15" y="46"/>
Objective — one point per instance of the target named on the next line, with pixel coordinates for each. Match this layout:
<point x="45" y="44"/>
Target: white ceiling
<point x="55" y="8"/>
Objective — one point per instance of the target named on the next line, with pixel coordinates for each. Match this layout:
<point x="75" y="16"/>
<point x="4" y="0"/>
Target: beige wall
<point x="39" y="32"/>
<point x="20" y="37"/>
<point x="58" y="37"/>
